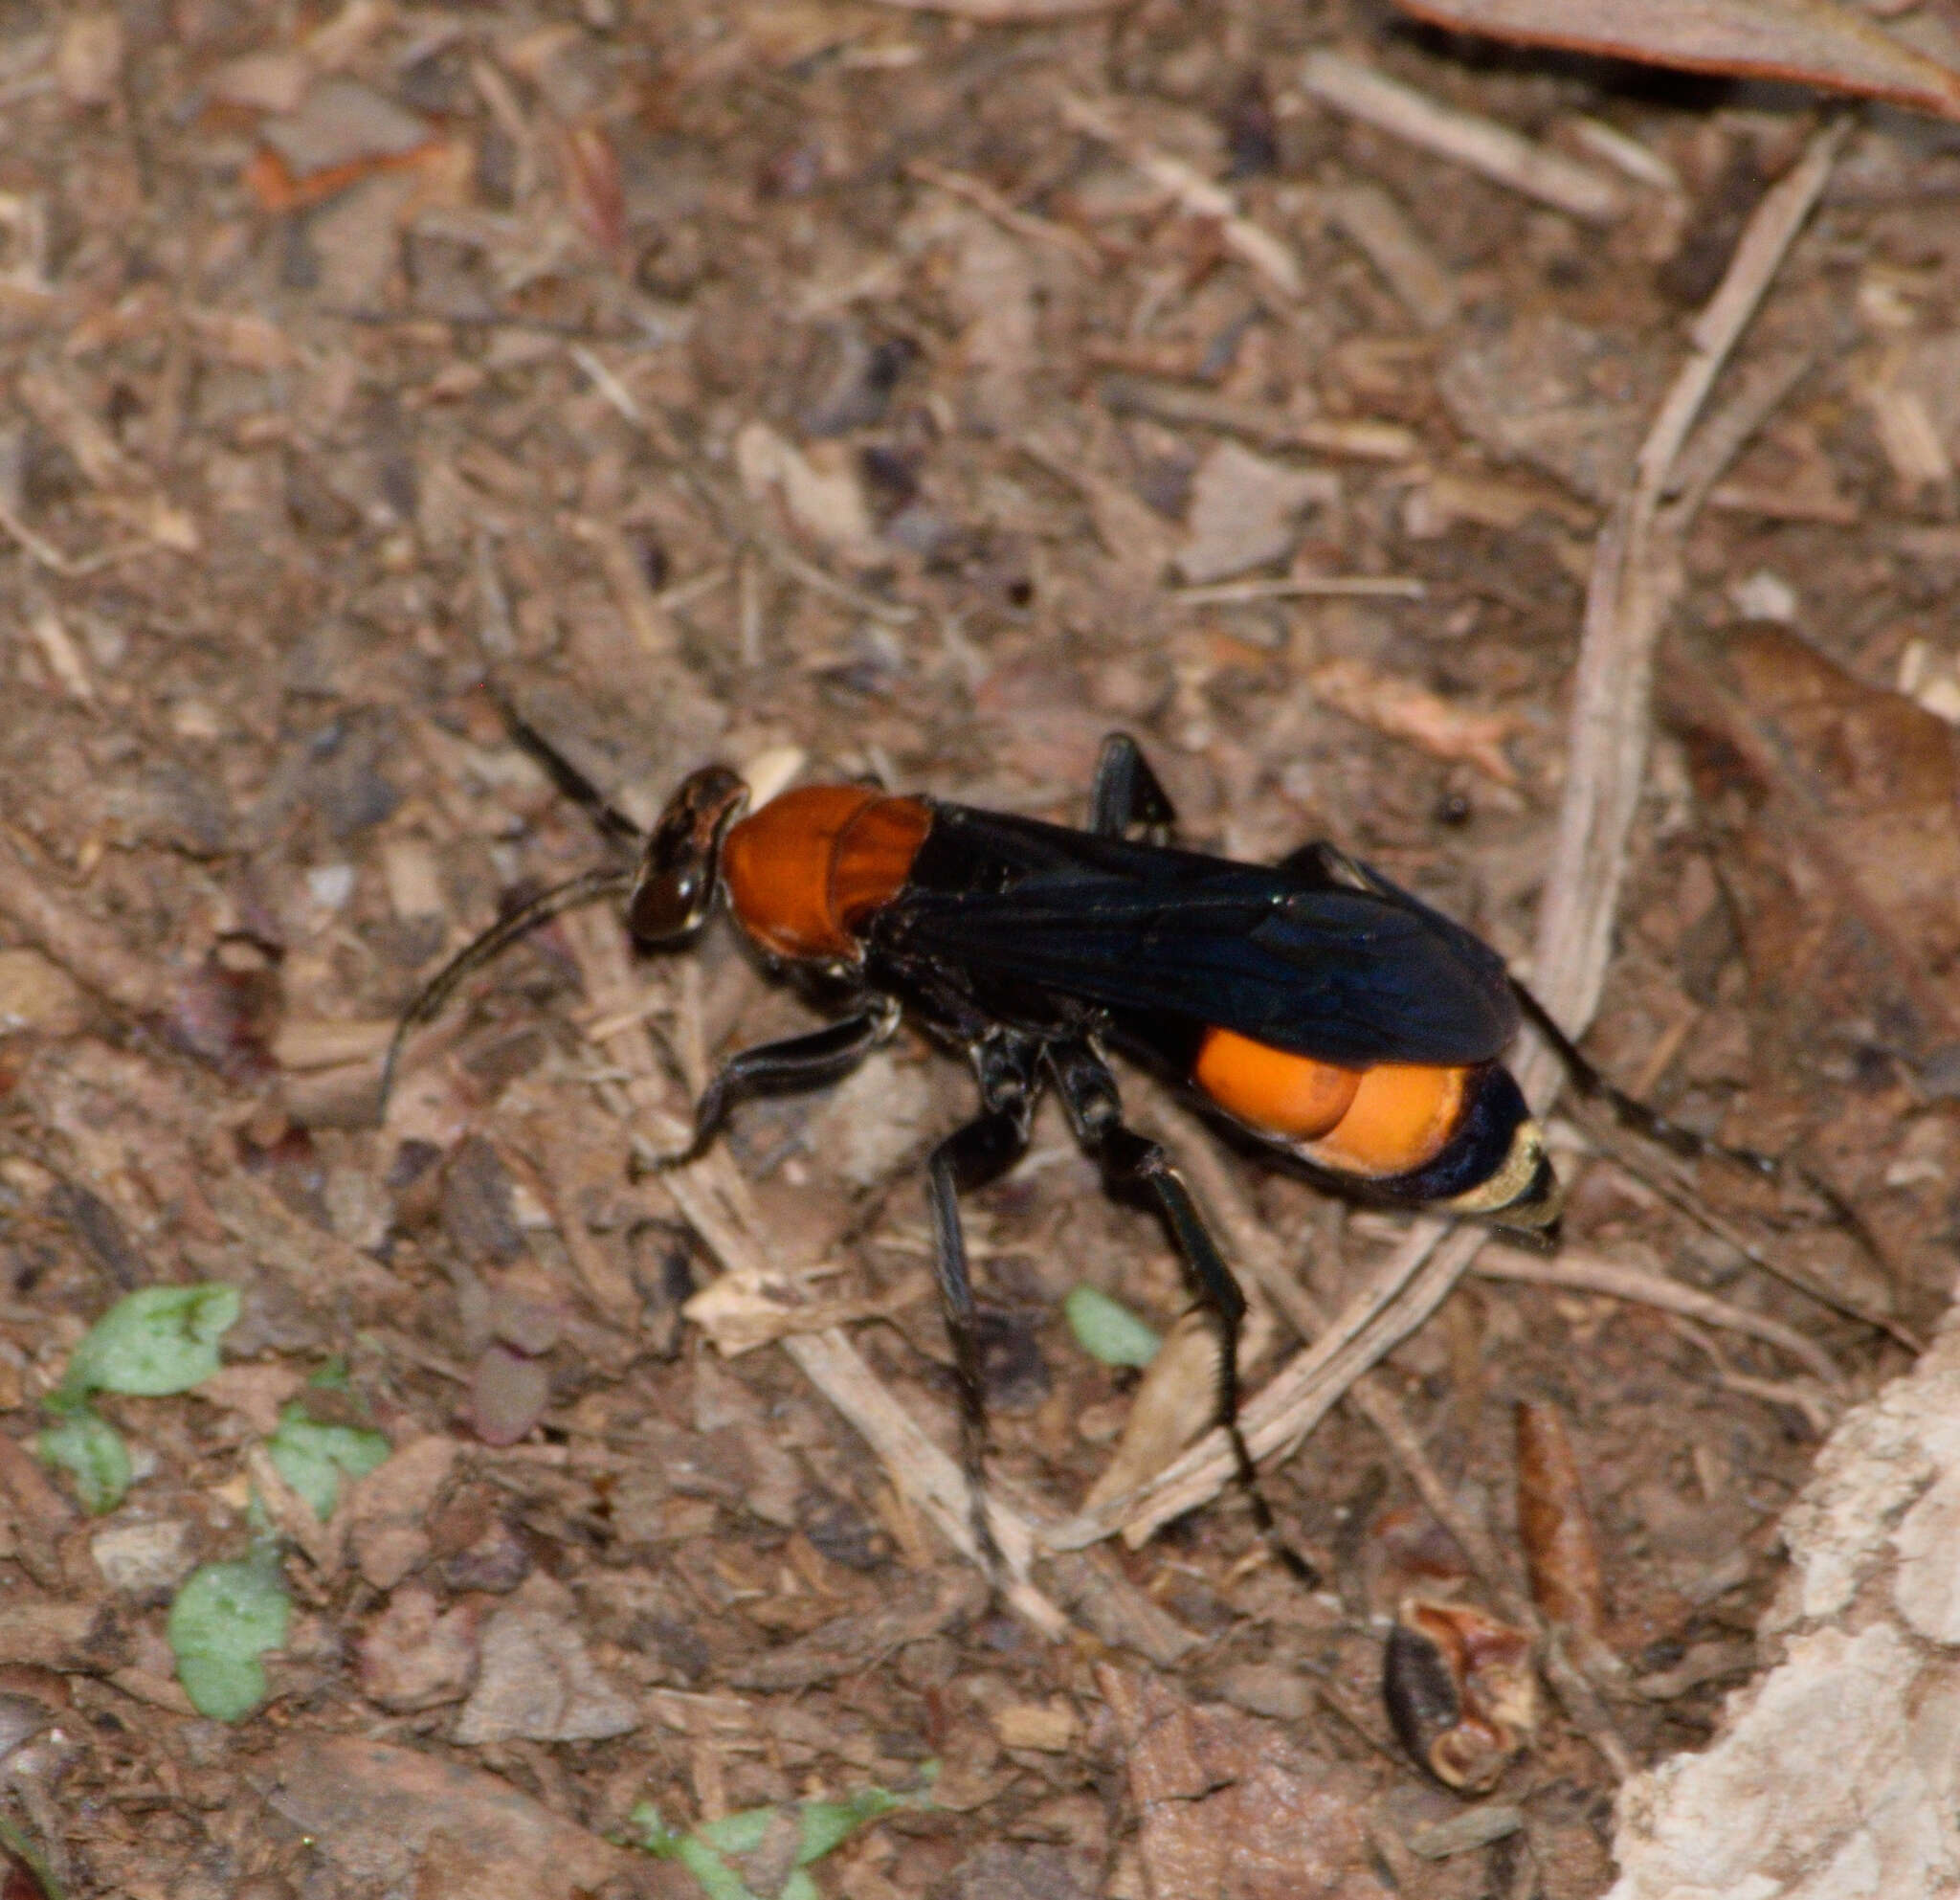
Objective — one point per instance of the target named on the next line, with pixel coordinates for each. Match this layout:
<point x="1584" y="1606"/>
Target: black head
<point x="679" y="871"/>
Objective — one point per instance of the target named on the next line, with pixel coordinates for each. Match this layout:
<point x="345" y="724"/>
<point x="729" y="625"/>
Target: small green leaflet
<point x="1108" y="1330"/>
<point x="226" y="1617"/>
<point x="86" y="1446"/>
<point x="157" y="1340"/>
<point x="824" y="1826"/>
<point x="313" y="1458"/>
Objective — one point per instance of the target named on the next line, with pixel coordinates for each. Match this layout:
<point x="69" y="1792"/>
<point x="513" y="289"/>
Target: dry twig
<point x="1582" y="1272"/>
<point x="1195" y="193"/>
<point x="1483" y="145"/>
<point x="1010" y="217"/>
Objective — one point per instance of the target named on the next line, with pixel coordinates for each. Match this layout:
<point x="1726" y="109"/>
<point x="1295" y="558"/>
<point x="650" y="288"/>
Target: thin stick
<point x="1023" y="224"/>
<point x="1254" y="1248"/>
<point x="1593" y="1273"/>
<point x="1303" y="586"/>
<point x="1483" y="145"/>
<point x="91" y="953"/>
<point x="1195" y="194"/>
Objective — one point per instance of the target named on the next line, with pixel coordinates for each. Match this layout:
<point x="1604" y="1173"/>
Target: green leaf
<point x="226" y="1617"/>
<point x="717" y="1879"/>
<point x="158" y="1340"/>
<point x="90" y="1449"/>
<point x="1108" y="1330"/>
<point x="313" y="1458"/>
<point x="825" y="1826"/>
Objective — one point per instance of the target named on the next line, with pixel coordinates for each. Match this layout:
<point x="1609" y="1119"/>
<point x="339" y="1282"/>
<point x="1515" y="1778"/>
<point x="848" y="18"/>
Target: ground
<point x="844" y="389"/>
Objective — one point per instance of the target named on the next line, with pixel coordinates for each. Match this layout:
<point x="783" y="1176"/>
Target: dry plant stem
<point x="1306" y="587"/>
<point x="1626" y="603"/>
<point x="1762" y="389"/>
<point x="1397" y="1298"/>
<point x="1636" y="580"/>
<point x="983" y="197"/>
<point x="1592" y="1273"/>
<point x="1195" y="193"/>
<point x="1693" y="1206"/>
<point x="1482" y="144"/>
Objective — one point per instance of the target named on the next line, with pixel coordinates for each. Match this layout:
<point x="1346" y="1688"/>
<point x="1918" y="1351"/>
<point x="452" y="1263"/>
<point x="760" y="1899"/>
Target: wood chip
<point x="1406" y="260"/>
<point x="1405" y="711"/>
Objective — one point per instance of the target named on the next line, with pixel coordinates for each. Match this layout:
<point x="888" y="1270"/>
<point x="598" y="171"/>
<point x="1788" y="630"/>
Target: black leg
<point x="969" y="1158"/>
<point x="1322" y="863"/>
<point x="798" y="1061"/>
<point x="1088" y="1091"/>
<point x="1629" y="1110"/>
<point x="1127" y="796"/>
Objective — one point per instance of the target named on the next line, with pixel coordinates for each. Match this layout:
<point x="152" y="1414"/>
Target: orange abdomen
<point x="1389" y="1119"/>
<point x="808" y="869"/>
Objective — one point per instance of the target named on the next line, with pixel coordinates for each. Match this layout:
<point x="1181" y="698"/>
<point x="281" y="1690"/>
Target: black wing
<point x="1283" y="955"/>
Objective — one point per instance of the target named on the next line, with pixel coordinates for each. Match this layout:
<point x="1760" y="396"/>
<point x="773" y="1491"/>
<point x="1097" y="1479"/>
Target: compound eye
<point x="675" y="886"/>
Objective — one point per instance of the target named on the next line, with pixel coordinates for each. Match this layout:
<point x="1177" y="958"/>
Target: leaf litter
<point x="308" y="428"/>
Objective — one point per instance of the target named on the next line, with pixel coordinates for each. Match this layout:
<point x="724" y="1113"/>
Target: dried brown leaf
<point x="538" y="1680"/>
<point x="1813" y="42"/>
<point x="1175" y="1401"/>
<point x="1554" y="1525"/>
<point x="589" y="170"/>
<point x="384" y="1816"/>
<point x="415" y="1655"/>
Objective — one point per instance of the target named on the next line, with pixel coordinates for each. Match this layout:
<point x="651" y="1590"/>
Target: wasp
<point x="1332" y="1018"/>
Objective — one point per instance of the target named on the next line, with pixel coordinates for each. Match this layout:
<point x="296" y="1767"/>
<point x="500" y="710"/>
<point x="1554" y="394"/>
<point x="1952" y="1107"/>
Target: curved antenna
<point x="610" y="821"/>
<point x="587" y="888"/>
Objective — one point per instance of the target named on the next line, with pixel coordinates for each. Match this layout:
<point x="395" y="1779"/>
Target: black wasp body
<point x="1323" y="1011"/>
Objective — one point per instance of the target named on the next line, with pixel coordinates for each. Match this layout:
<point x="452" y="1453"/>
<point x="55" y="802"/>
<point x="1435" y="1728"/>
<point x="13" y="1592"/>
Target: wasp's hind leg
<point x="969" y="1158"/>
<point x="1128" y="796"/>
<point x="1088" y="1091"/>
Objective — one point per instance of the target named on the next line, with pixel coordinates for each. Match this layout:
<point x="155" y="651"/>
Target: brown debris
<point x="1244" y="512"/>
<point x="1227" y="1806"/>
<point x="387" y="1512"/>
<point x="1404" y="710"/>
<point x="302" y="447"/>
<point x="1812" y="42"/>
<point x="1460" y="1690"/>
<point x="1842" y="782"/>
<point x="1554" y="1528"/>
<point x="852" y="1643"/>
<point x="388" y="1814"/>
<point x="415" y="1654"/>
<point x="535" y="1678"/>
